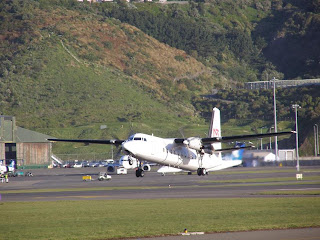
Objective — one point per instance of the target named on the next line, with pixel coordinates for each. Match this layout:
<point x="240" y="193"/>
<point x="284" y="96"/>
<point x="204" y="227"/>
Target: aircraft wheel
<point x="139" y="172"/>
<point x="201" y="171"/>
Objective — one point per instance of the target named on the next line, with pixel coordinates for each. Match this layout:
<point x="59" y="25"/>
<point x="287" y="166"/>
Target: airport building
<point x="21" y="145"/>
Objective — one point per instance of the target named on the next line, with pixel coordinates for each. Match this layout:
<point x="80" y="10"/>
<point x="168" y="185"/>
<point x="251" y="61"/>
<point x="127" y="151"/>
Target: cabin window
<point x="137" y="139"/>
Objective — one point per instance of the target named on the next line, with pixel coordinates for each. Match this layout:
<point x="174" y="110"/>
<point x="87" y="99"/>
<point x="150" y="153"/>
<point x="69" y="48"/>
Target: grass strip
<point x="107" y="219"/>
<point x="252" y="171"/>
<point x="258" y="180"/>
<point x="291" y="192"/>
<point x="231" y="184"/>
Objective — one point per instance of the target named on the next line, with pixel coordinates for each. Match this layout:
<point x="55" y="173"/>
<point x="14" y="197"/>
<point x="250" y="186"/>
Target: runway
<point x="67" y="184"/>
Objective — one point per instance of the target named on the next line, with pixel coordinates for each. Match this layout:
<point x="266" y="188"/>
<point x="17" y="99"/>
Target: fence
<point x="281" y="83"/>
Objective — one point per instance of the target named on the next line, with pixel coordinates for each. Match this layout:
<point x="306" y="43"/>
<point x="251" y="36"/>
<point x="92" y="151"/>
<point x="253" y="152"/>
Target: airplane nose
<point x="128" y="146"/>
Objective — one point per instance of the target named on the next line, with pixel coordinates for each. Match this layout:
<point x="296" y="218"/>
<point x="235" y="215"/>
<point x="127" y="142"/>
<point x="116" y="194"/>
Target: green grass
<point x="263" y="180"/>
<point x="227" y="184"/>
<point x="137" y="218"/>
<point x="291" y="192"/>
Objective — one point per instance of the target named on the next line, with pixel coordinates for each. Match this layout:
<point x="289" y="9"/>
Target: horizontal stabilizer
<point x="225" y="164"/>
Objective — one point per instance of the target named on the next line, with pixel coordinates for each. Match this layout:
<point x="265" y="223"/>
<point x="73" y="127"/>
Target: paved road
<point x="290" y="234"/>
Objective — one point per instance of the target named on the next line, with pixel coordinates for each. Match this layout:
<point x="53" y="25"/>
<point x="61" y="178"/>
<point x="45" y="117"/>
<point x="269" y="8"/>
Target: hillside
<point x="68" y="67"/>
<point x="64" y="67"/>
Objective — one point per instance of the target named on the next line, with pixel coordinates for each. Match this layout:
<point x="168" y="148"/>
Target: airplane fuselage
<point x="166" y="152"/>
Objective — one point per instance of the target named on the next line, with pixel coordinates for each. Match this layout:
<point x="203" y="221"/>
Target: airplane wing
<point x="243" y="137"/>
<point x="112" y="141"/>
<point x="200" y="144"/>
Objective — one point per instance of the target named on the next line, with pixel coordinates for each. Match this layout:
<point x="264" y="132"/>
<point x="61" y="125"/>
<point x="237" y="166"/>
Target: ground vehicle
<point x="85" y="164"/>
<point x="67" y="165"/>
<point x="104" y="176"/>
<point x="93" y="164"/>
<point x="122" y="171"/>
<point x="77" y="165"/>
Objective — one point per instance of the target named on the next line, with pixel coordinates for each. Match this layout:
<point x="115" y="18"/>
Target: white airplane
<point x="228" y="159"/>
<point x="4" y="168"/>
<point x="190" y="154"/>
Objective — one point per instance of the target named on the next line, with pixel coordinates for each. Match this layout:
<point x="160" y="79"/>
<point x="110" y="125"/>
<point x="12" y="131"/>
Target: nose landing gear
<point x="139" y="172"/>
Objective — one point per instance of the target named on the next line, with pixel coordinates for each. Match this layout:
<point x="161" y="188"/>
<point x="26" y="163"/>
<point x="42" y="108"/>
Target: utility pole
<point x="275" y="118"/>
<point x="317" y="137"/>
<point x="315" y="141"/>
<point x="270" y="138"/>
<point x="261" y="146"/>
<point x="296" y="106"/>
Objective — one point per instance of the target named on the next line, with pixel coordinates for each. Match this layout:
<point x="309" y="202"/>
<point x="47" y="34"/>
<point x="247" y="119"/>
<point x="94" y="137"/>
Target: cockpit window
<point x="130" y="138"/>
<point x="136" y="138"/>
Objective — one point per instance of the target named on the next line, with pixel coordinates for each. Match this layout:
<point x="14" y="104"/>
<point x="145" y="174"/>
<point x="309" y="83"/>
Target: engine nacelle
<point x="128" y="162"/>
<point x="110" y="168"/>
<point x="146" y="167"/>
<point x="194" y="143"/>
<point x="208" y="148"/>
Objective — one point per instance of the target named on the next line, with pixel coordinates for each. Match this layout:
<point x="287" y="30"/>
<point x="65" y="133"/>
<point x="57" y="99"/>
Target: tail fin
<point x="215" y="127"/>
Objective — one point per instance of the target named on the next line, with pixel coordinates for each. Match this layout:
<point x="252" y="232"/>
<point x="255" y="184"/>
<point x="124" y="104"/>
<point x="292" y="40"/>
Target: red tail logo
<point x="215" y="132"/>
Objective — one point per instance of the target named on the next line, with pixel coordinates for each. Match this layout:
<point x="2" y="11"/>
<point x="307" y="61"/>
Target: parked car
<point x="85" y="164"/>
<point x="67" y="165"/>
<point x="93" y="164"/>
<point x="77" y="165"/>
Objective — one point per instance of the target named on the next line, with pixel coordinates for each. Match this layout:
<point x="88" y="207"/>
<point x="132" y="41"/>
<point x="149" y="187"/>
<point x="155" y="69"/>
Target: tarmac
<point x="67" y="184"/>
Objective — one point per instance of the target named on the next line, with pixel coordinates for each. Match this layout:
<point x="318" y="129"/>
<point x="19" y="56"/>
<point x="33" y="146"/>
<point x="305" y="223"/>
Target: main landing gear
<point x="201" y="171"/>
<point x="139" y="172"/>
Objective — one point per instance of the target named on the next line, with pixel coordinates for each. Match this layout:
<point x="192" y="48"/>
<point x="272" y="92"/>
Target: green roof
<point x="9" y="132"/>
<point x="25" y="135"/>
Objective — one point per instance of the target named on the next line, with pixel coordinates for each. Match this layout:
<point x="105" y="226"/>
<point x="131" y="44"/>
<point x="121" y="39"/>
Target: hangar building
<point x="21" y="145"/>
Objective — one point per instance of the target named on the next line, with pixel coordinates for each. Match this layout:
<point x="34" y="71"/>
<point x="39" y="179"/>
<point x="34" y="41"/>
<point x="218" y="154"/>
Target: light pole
<point x="275" y="118"/>
<point x="270" y="138"/>
<point x="315" y="141"/>
<point x="261" y="138"/>
<point x="317" y="138"/>
<point x="296" y="106"/>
